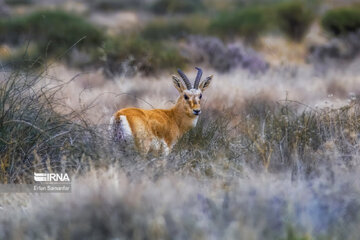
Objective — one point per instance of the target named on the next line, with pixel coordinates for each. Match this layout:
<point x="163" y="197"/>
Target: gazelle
<point x="159" y="129"/>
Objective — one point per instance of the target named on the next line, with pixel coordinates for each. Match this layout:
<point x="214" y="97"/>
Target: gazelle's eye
<point x="200" y="96"/>
<point x="186" y="97"/>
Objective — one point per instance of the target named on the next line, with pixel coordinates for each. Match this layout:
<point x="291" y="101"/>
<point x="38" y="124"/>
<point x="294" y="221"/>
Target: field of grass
<point x="275" y="153"/>
<point x="259" y="165"/>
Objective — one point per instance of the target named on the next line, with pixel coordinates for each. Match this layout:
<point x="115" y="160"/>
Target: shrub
<point x="53" y="31"/>
<point x="175" y="6"/>
<point x="345" y="47"/>
<point x="341" y="21"/>
<point x="294" y="19"/>
<point x="126" y="55"/>
<point x="164" y="29"/>
<point x="34" y="135"/>
<point x="225" y="57"/>
<point x="248" y="22"/>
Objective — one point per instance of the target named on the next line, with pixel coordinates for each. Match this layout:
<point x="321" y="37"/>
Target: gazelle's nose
<point x="196" y="112"/>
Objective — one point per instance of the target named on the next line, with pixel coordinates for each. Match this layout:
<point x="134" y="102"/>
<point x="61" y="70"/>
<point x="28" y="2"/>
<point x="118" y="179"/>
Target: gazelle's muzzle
<point x="196" y="111"/>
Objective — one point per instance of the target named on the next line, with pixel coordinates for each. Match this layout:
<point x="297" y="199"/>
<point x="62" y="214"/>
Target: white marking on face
<point x="192" y="91"/>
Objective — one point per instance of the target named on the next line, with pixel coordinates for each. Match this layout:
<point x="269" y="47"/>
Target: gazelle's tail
<point x="115" y="130"/>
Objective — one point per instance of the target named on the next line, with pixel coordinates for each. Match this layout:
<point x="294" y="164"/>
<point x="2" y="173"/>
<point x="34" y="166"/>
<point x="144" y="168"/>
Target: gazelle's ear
<point x="178" y="84"/>
<point x="206" y="83"/>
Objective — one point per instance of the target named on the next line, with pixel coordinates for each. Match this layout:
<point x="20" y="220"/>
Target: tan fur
<point x="159" y="129"/>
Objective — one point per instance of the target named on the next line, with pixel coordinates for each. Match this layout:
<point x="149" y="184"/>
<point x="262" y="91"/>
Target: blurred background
<point x="146" y="37"/>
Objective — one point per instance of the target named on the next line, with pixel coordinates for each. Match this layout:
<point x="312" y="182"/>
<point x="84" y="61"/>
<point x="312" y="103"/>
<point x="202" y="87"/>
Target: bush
<point x="53" y="31"/>
<point x="157" y="30"/>
<point x="294" y="19"/>
<point x="34" y="135"/>
<point x="248" y="22"/>
<point x="341" y="21"/>
<point x="337" y="50"/>
<point x="175" y="6"/>
<point x="223" y="58"/>
<point x="126" y="55"/>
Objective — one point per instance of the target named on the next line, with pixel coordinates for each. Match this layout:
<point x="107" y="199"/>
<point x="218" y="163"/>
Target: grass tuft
<point x="34" y="135"/>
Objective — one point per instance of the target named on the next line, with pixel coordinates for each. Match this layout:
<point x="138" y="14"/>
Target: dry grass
<point x="110" y="204"/>
<point x="299" y="83"/>
<point x="273" y="157"/>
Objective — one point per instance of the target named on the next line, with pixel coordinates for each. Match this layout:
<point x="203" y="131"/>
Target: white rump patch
<point x="125" y="127"/>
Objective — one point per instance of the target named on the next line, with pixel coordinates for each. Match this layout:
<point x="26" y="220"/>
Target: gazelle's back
<point x="150" y="129"/>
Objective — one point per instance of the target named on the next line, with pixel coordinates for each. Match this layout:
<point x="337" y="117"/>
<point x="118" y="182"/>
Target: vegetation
<point x="18" y="2"/>
<point x="341" y="21"/>
<point x="252" y="168"/>
<point x="53" y="31"/>
<point x="247" y="22"/>
<point x="25" y="57"/>
<point x="140" y="55"/>
<point x="174" y="6"/>
<point x="33" y="134"/>
<point x="275" y="136"/>
<point x="50" y="33"/>
<point x="293" y="235"/>
<point x="294" y="19"/>
<point x="240" y="151"/>
<point x="165" y="29"/>
<point x="224" y="57"/>
<point x="110" y="5"/>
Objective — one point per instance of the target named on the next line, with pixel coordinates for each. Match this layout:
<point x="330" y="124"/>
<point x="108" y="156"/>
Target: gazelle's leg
<point x="166" y="149"/>
<point x="146" y="146"/>
<point x="115" y="129"/>
<point x="143" y="145"/>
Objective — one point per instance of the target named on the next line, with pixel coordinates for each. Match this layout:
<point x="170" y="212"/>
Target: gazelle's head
<point x="190" y="97"/>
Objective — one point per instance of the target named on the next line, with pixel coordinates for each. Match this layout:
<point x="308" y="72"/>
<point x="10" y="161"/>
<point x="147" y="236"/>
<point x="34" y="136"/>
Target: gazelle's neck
<point x="182" y="119"/>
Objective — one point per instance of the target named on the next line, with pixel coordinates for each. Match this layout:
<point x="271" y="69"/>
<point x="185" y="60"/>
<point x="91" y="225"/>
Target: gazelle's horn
<point x="185" y="79"/>
<point x="198" y="77"/>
